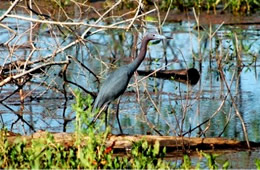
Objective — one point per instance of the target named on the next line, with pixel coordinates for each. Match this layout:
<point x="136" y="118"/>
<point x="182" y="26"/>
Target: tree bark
<point x="190" y="76"/>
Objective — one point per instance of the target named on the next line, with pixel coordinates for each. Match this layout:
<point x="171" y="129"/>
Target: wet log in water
<point x="123" y="142"/>
<point x="190" y="76"/>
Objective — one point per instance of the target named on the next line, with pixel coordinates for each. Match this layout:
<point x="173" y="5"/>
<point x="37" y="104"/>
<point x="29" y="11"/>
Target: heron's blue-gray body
<point x="119" y="80"/>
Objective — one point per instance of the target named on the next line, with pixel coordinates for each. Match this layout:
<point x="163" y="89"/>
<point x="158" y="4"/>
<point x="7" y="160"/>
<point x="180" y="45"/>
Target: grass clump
<point x="36" y="154"/>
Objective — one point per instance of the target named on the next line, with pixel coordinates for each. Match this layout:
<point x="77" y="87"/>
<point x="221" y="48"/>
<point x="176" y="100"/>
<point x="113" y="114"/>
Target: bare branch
<point x="9" y="10"/>
<point x="65" y="23"/>
<point x="12" y="77"/>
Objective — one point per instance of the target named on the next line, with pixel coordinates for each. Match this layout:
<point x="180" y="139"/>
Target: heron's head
<point x="155" y="36"/>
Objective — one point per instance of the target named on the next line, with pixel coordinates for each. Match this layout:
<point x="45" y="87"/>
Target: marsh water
<point x="172" y="107"/>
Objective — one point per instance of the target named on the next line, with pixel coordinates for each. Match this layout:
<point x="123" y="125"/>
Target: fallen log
<point x="190" y="76"/>
<point x="124" y="142"/>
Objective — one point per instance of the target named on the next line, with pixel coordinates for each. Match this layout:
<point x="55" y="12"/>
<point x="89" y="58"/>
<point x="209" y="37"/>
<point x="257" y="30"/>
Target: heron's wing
<point x="114" y="86"/>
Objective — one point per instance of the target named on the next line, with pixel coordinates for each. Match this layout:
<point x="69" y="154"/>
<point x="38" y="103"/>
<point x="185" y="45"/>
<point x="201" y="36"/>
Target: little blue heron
<point x="116" y="83"/>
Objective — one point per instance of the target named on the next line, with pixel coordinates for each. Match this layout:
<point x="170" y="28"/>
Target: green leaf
<point x="156" y="149"/>
<point x="144" y="144"/>
<point x="186" y="162"/>
<point x="257" y="163"/>
<point x="149" y="18"/>
<point x="225" y="165"/>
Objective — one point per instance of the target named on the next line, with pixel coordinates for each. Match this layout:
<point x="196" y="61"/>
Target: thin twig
<point x="19" y="117"/>
<point x="136" y="14"/>
<point x="82" y="65"/>
<point x="167" y="13"/>
<point x="236" y="109"/>
<point x="65" y="23"/>
<point x="9" y="10"/>
<point x="12" y="77"/>
<point x="101" y="17"/>
<point x="149" y="75"/>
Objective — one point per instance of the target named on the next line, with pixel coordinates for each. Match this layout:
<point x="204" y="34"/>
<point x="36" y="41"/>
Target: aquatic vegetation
<point x="238" y="7"/>
<point x="235" y="6"/>
<point x="257" y="163"/>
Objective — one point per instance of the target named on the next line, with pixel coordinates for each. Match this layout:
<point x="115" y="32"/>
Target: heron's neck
<point x="135" y="64"/>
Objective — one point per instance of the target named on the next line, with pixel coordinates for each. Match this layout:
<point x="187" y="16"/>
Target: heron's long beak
<point x="159" y="37"/>
<point x="162" y="37"/>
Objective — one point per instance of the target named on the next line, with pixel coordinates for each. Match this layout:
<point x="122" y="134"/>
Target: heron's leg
<point x="97" y="116"/>
<point x="117" y="117"/>
<point x="106" y="115"/>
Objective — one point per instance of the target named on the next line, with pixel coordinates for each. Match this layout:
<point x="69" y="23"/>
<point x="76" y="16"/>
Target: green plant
<point x="235" y="6"/>
<point x="257" y="163"/>
<point x="145" y="156"/>
<point x="186" y="162"/>
<point x="211" y="160"/>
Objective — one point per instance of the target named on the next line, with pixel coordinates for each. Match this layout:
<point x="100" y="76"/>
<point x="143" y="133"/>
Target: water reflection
<point x="173" y="108"/>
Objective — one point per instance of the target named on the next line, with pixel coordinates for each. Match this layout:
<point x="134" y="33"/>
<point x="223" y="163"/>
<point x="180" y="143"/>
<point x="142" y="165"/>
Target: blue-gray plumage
<point x="119" y="80"/>
<point x="116" y="83"/>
